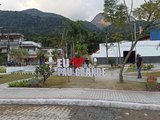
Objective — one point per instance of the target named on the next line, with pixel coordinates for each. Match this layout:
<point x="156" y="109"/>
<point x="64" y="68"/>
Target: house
<point x="33" y="49"/>
<point x="9" y="41"/>
<point x="148" y="49"/>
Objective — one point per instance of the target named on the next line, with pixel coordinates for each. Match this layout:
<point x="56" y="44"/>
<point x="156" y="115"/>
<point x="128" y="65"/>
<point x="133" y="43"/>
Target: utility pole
<point x="8" y="47"/>
<point x="135" y="38"/>
<point x="106" y="49"/>
<point x="66" y="50"/>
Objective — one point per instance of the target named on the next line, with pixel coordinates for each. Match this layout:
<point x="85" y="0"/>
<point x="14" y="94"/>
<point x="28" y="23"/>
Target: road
<point x="52" y="112"/>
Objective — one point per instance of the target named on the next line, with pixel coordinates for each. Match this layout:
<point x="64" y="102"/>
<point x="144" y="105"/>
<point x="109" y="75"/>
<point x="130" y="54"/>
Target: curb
<point x="80" y="102"/>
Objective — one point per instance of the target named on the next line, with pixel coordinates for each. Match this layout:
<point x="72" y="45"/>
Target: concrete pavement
<point x="54" y="112"/>
<point x="83" y="97"/>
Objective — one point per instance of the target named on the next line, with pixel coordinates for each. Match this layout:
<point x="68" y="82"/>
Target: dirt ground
<point x="89" y="82"/>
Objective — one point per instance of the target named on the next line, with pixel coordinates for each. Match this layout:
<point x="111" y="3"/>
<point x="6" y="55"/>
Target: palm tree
<point x="74" y="33"/>
<point x="81" y="50"/>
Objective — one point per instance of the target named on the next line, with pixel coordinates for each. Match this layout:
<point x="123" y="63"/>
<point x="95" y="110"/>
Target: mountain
<point x="100" y="22"/>
<point x="90" y="26"/>
<point x="36" y="12"/>
<point x="35" y="22"/>
<point x="31" y="24"/>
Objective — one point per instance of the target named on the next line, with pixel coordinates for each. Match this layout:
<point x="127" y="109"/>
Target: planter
<point x="151" y="83"/>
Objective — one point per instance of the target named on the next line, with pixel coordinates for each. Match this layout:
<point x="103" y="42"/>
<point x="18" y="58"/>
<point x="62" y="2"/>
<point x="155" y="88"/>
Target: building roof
<point x="139" y="43"/>
<point x="11" y="36"/>
<point x="31" y="43"/>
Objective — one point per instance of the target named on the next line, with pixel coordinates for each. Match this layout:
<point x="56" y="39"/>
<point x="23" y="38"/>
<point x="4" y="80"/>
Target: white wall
<point x="22" y="69"/>
<point x="144" y="48"/>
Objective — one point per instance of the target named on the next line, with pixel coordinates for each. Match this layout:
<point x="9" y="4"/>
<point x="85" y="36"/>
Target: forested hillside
<point x="37" y="25"/>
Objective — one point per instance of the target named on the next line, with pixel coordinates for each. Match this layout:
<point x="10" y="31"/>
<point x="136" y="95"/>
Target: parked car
<point x="11" y="63"/>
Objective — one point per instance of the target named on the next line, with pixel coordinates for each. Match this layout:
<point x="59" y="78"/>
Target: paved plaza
<point x="82" y="97"/>
<point x="70" y="103"/>
<point x="52" y="112"/>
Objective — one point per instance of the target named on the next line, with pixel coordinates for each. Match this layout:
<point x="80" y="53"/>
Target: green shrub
<point x="44" y="71"/>
<point x="22" y="83"/>
<point x="2" y="70"/>
<point x="33" y="82"/>
<point x="145" y="67"/>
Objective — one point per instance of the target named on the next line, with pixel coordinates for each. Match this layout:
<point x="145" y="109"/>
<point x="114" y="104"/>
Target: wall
<point x="156" y="59"/>
<point x="149" y="50"/>
<point x="20" y="69"/>
<point x="155" y="35"/>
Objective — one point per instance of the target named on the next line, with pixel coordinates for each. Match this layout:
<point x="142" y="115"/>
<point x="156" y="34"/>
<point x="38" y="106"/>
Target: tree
<point x="19" y="55"/>
<point x="93" y="40"/>
<point x="75" y="32"/>
<point x="55" y="55"/>
<point x="44" y="71"/>
<point x="41" y="56"/>
<point x="118" y="37"/>
<point x="81" y="50"/>
<point x="3" y="58"/>
<point x="149" y="11"/>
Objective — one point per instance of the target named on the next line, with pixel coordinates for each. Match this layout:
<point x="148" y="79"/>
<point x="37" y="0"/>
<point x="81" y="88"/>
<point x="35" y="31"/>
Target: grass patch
<point x="146" y="74"/>
<point x="13" y="77"/>
<point x="131" y="68"/>
<point x="157" y="74"/>
<point x="64" y="82"/>
<point x="78" y="82"/>
<point x="87" y="82"/>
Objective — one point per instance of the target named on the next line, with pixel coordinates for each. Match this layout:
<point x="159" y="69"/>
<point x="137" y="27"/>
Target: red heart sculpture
<point x="77" y="62"/>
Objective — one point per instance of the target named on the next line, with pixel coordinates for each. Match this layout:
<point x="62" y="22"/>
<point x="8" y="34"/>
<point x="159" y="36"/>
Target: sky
<point x="73" y="9"/>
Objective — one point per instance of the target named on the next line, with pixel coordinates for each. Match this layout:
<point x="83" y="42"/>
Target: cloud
<point x="11" y="5"/>
<point x="73" y="9"/>
<point x="136" y="3"/>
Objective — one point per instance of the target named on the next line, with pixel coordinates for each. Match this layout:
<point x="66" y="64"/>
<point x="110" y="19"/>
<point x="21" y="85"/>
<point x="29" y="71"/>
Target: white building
<point x="149" y="50"/>
<point x="9" y="41"/>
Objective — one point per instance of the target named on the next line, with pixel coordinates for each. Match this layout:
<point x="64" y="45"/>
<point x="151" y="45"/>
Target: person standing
<point x="87" y="62"/>
<point x="139" y="61"/>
